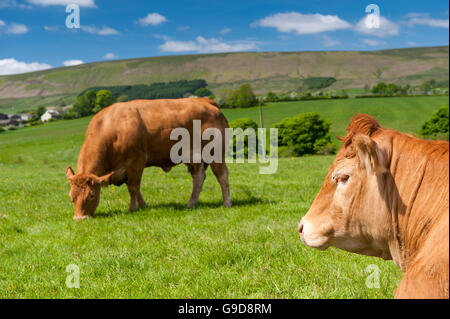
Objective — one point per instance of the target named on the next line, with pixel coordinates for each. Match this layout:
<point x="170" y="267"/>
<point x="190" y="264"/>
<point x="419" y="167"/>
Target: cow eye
<point x="341" y="179"/>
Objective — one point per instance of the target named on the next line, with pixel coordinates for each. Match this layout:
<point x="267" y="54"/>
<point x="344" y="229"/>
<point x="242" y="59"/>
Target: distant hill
<point x="274" y="71"/>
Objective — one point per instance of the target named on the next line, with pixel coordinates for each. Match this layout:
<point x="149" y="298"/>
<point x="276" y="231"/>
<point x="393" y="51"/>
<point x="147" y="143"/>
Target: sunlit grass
<point x="167" y="251"/>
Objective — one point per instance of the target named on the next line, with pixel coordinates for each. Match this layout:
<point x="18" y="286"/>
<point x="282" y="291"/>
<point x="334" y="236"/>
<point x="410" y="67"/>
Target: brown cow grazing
<point x="125" y="138"/>
<point x="387" y="195"/>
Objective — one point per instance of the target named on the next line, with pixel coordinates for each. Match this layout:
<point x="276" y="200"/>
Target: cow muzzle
<point x="310" y="236"/>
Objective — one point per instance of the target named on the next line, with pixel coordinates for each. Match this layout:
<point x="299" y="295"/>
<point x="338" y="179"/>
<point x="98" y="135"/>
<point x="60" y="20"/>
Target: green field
<point x="166" y="251"/>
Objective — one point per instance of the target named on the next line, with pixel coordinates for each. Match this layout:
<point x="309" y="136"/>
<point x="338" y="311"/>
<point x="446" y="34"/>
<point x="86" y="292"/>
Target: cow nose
<point x="300" y="228"/>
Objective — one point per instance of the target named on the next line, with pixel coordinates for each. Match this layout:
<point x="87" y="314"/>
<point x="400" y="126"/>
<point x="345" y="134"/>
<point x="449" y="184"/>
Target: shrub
<point x="104" y="98"/>
<point x="40" y="111"/>
<point x="244" y="97"/>
<point x="437" y="126"/>
<point x="2" y="129"/>
<point x="202" y="92"/>
<point x="123" y="98"/>
<point x="271" y="97"/>
<point x="306" y="133"/>
<point x="244" y="124"/>
<point x="387" y="89"/>
<point x="69" y="116"/>
<point x="84" y="104"/>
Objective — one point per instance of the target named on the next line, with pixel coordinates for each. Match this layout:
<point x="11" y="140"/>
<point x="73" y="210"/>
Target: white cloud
<point x="424" y="19"/>
<point x="110" y="56"/>
<point x="374" y="43"/>
<point x="386" y="28"/>
<point x="225" y="31"/>
<point x="183" y="28"/>
<point x="302" y="23"/>
<point x="329" y="42"/>
<point x="13" y="28"/>
<point x="100" y="31"/>
<point x="81" y="3"/>
<point x="72" y="62"/>
<point x="412" y="44"/>
<point x="203" y="45"/>
<point x="49" y="28"/>
<point x="17" y="28"/>
<point x="12" y="66"/>
<point x="152" y="19"/>
<point x="13" y="3"/>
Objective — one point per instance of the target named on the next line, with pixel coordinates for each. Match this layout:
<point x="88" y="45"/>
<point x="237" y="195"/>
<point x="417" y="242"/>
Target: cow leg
<point x="220" y="170"/>
<point x="134" y="188"/>
<point x="141" y="201"/>
<point x="198" y="177"/>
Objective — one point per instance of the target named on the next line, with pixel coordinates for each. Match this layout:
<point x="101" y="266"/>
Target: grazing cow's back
<point x="387" y="195"/>
<point x="125" y="138"/>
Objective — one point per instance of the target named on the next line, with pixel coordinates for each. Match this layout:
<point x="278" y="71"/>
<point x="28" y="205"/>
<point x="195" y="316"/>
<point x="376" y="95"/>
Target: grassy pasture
<point x="166" y="251"/>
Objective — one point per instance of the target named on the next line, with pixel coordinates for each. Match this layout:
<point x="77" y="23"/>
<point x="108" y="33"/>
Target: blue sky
<point x="33" y="34"/>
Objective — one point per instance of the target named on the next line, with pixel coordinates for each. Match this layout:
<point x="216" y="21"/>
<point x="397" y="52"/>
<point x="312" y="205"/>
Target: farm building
<point x="26" y="117"/>
<point x="10" y="122"/>
<point x="50" y="114"/>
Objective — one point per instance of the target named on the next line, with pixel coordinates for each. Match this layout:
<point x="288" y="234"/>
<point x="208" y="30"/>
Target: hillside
<point x="275" y="71"/>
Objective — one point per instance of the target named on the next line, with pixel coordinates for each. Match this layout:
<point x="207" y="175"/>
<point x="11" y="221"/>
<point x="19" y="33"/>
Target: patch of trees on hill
<point x="170" y="90"/>
<point x="317" y="83"/>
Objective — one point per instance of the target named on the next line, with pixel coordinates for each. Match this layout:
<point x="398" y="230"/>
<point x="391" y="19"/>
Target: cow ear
<point x="370" y="154"/>
<point x="108" y="179"/>
<point x="69" y="173"/>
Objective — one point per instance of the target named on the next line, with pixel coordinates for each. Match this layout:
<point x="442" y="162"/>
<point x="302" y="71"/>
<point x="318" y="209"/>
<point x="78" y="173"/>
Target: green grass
<point x="166" y="251"/>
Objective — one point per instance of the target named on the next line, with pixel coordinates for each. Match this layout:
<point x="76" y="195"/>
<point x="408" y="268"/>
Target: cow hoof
<point x="191" y="205"/>
<point x="80" y="218"/>
<point x="227" y="204"/>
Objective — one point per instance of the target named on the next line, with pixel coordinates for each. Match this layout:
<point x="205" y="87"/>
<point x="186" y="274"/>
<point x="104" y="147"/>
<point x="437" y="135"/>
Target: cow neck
<point x="92" y="159"/>
<point x="408" y="169"/>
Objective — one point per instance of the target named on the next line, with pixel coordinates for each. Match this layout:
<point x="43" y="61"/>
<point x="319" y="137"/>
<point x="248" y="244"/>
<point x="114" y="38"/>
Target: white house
<point x="50" y="114"/>
<point x="26" y="117"/>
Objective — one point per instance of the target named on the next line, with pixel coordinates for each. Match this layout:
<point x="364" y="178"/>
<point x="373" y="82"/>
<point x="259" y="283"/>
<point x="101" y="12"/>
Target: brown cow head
<point x="85" y="191"/>
<point x="349" y="212"/>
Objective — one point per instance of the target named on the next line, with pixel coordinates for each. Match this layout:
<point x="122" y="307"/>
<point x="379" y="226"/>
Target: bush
<point x="244" y="124"/>
<point x="387" y="89"/>
<point x="304" y="134"/>
<point x="123" y="98"/>
<point x="85" y="104"/>
<point x="244" y="97"/>
<point x="437" y="126"/>
<point x="271" y="97"/>
<point x="104" y="98"/>
<point x="2" y="129"/>
<point x="69" y="116"/>
<point x="203" y="92"/>
<point x="40" y="111"/>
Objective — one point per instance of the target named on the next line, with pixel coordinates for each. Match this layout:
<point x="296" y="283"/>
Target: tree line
<point x="169" y="90"/>
<point x="94" y="99"/>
